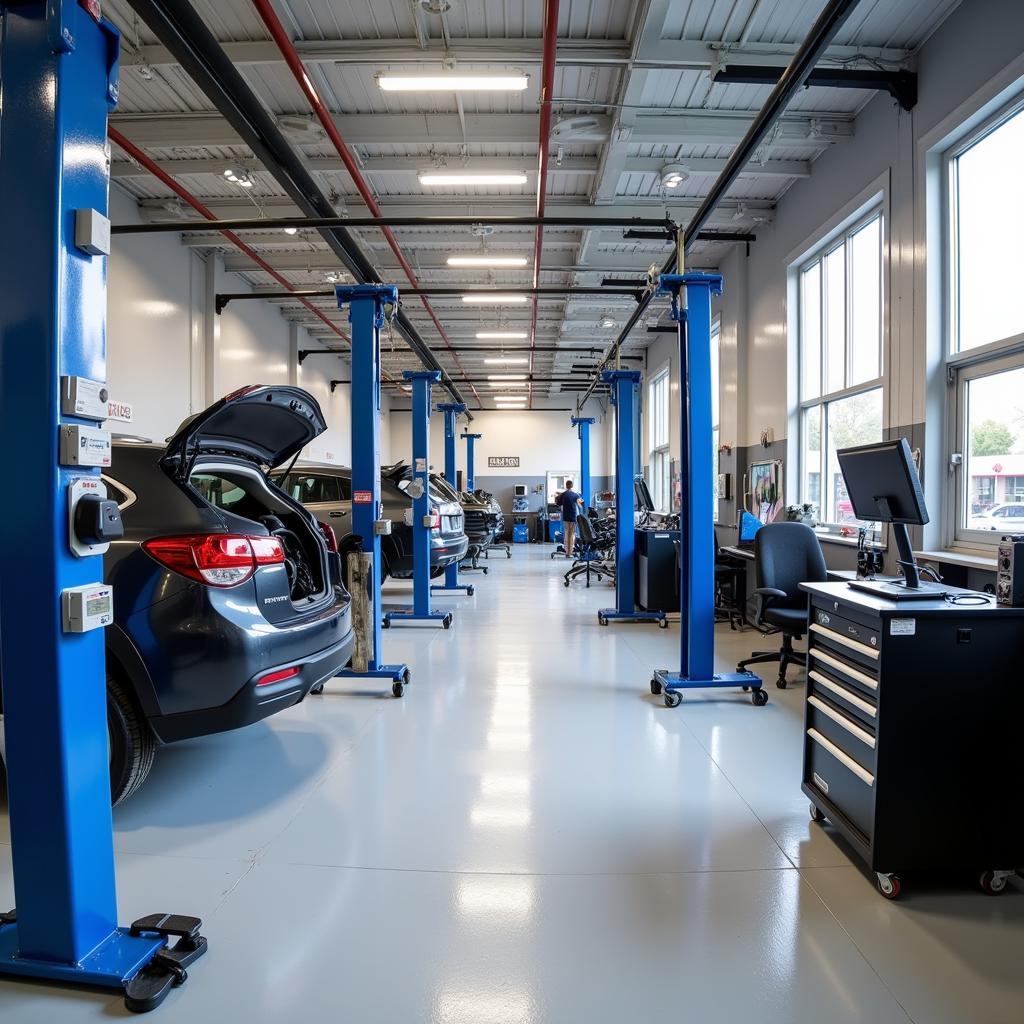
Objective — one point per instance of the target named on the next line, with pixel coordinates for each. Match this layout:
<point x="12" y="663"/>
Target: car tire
<point x="132" y="743"/>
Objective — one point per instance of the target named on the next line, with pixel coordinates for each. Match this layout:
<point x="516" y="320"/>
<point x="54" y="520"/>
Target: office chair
<point x="730" y="596"/>
<point x="590" y="562"/>
<point x="785" y="555"/>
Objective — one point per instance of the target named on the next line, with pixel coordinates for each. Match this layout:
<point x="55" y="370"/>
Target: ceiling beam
<point x="657" y="53"/>
<point x="411" y="165"/>
<point x="695" y="127"/>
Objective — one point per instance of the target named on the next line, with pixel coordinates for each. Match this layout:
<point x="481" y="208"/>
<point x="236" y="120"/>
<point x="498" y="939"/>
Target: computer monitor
<point x="519" y="490"/>
<point x="883" y="485"/>
<point x="749" y="524"/>
<point x="642" y="493"/>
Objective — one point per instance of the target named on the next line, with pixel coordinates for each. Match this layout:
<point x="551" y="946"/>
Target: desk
<point x="911" y="738"/>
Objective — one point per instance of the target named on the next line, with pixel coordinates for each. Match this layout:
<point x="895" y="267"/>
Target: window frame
<point x="659" y="455"/>
<point x="842" y="236"/>
<point x="962" y="366"/>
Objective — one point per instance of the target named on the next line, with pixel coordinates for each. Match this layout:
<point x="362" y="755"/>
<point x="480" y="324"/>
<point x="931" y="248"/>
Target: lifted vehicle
<point x="228" y="597"/>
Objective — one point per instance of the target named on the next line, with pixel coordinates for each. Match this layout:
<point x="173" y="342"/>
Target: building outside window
<point x="658" y="440"/>
<point x="984" y="326"/>
<point x="840" y="354"/>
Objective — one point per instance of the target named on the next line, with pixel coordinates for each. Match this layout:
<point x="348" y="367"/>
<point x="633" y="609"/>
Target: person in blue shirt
<point x="570" y="503"/>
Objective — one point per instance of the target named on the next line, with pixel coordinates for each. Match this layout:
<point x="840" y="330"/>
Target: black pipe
<point x="223" y="298"/>
<point x="332" y="220"/>
<point x="178" y="27"/>
<point x="811" y="49"/>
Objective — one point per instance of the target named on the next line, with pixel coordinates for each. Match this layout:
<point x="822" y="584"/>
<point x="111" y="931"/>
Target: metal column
<point x="691" y="308"/>
<point x="584" y="423"/>
<point x="367" y="305"/>
<point x="59" y="69"/>
<point x="471" y="440"/>
<point x="624" y="387"/>
<point x="422" y="520"/>
<point x="452" y="411"/>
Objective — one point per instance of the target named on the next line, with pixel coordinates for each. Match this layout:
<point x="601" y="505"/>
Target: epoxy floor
<point x="530" y="836"/>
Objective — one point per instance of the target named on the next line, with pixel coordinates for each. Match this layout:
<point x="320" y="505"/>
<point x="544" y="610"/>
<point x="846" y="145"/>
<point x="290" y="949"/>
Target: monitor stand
<point x="910" y="588"/>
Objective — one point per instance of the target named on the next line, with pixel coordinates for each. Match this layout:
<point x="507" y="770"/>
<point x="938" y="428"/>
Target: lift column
<point x="583" y="423"/>
<point x="452" y="411"/>
<point x="624" y="387"/>
<point x="422" y="520"/>
<point x="59" y="68"/>
<point x="691" y="308"/>
<point x="368" y="304"/>
<point x="471" y="440"/>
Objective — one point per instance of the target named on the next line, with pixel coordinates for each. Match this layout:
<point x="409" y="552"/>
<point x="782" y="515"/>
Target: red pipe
<point x="294" y="61"/>
<point x="157" y="171"/>
<point x="547" y="90"/>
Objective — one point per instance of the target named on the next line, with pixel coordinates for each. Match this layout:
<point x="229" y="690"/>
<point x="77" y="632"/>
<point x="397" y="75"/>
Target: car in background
<point x="484" y="518"/>
<point x="1005" y="518"/>
<point x="228" y="597"/>
<point x="326" y="491"/>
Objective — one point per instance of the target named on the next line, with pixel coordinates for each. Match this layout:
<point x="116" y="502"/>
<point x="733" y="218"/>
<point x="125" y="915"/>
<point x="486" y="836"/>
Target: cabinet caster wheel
<point x="319" y="688"/>
<point x="890" y="886"/>
<point x="508" y="554"/>
<point x="746" y="689"/>
<point x="470" y="591"/>
<point x="447" y="622"/>
<point x="385" y="624"/>
<point x="758" y="698"/>
<point x="566" y="583"/>
<point x="815" y="813"/>
<point x="397" y="689"/>
<point x="655" y="687"/>
<point x="673" y="699"/>
<point x="992" y="882"/>
<point x="662" y="623"/>
<point x="602" y="621"/>
<point x="781" y="683"/>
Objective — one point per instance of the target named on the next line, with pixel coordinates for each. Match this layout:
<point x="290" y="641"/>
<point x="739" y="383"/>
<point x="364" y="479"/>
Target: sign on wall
<point x="502" y="461"/>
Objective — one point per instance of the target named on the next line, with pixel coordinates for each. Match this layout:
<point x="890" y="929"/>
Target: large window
<point x="716" y="411"/>
<point x="985" y="328"/>
<point x="840" y="345"/>
<point x="658" y="440"/>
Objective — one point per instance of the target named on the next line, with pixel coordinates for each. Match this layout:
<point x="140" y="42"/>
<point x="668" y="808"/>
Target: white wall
<point x="542" y="439"/>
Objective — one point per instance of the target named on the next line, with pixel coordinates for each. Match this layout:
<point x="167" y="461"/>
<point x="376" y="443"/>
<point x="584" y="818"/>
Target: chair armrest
<point x="765" y="596"/>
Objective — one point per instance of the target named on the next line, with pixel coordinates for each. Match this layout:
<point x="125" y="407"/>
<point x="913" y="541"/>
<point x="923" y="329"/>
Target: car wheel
<point x="132" y="745"/>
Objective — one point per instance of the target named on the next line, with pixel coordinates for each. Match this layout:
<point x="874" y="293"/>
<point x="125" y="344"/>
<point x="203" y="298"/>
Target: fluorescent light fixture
<point x="452" y="83"/>
<point x="494" y="299"/>
<point x="472" y="178"/>
<point x="484" y="260"/>
<point x="291" y="231"/>
<point x="502" y="335"/>
<point x="508" y="360"/>
<point x="506" y="376"/>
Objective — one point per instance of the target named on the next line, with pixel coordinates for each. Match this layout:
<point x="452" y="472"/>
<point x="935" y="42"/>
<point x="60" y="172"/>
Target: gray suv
<point x="326" y="491"/>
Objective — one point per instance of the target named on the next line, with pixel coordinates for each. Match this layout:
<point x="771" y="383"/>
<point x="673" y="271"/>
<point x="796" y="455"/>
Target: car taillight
<point x="435" y="522"/>
<point x="279" y="676"/>
<point x="216" y="559"/>
<point x="330" y="536"/>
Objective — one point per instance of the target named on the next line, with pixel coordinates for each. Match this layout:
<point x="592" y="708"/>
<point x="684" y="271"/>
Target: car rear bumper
<point x="254" y="702"/>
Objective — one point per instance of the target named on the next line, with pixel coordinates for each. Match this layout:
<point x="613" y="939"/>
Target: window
<point x="658" y="436"/>
<point x="313" y="488"/>
<point x="840" y="350"/>
<point x="716" y="414"/>
<point x="985" y="329"/>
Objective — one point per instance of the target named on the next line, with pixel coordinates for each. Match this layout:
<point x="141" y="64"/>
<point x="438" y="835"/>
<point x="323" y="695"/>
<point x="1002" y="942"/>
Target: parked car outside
<point x="326" y="491"/>
<point x="228" y="597"/>
<point x="1005" y="518"/>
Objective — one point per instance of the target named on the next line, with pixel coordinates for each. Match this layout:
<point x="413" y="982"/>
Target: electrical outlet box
<point x="80" y="396"/>
<point x="87" y="607"/>
<point x="90" y="489"/>
<point x="84" y="446"/>
<point x="382" y="528"/>
<point x="92" y="232"/>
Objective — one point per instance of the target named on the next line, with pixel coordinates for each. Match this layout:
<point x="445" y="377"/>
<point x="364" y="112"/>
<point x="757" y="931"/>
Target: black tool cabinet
<point x="913" y="741"/>
<point x="657" y="571"/>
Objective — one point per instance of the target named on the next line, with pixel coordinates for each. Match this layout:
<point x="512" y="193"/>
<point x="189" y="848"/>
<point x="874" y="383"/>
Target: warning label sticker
<point x="362" y="497"/>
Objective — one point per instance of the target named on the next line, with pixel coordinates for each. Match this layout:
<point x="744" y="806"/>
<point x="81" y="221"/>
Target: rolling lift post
<point x="368" y="305"/>
<point x="624" y="387"/>
<point x="59" y="68"/>
<point x="471" y="440"/>
<point x="691" y="309"/>
<point x="452" y="411"/>
<point x="583" y="425"/>
<point x="422" y="520"/>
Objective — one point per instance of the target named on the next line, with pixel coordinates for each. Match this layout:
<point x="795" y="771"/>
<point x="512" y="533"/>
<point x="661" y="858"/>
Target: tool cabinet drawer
<point x="843" y="645"/>
<point x="867" y="633"/>
<point x="846" y="784"/>
<point x="833" y="662"/>
<point x="850" y="735"/>
<point x="859" y="703"/>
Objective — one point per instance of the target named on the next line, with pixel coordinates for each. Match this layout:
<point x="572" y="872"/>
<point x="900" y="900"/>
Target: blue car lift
<point x="471" y="440"/>
<point x="452" y="411"/>
<point x="583" y="425"/>
<point x="59" y="68"/>
<point x="368" y="304"/>
<point x="421" y="381"/>
<point x="691" y="309"/>
<point x="625" y="384"/>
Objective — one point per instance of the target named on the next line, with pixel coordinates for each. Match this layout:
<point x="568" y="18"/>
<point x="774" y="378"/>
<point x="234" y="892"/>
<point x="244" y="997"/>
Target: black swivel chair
<point x="590" y="561"/>
<point x="786" y="555"/>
